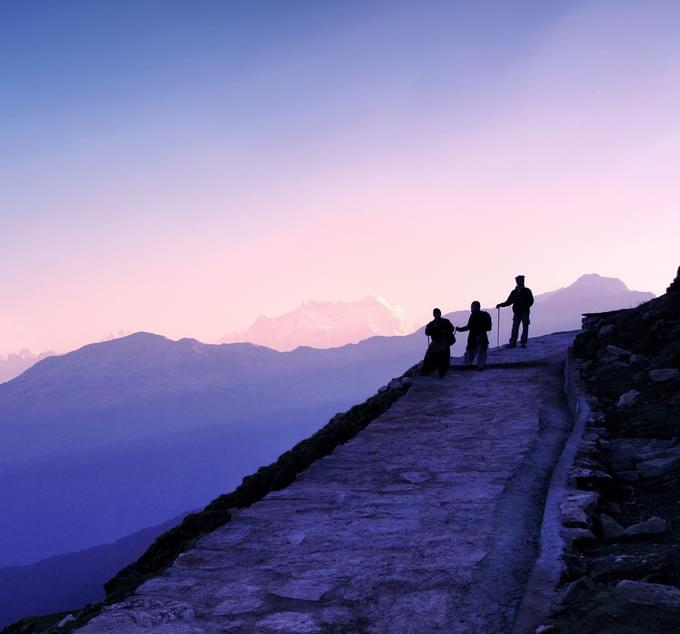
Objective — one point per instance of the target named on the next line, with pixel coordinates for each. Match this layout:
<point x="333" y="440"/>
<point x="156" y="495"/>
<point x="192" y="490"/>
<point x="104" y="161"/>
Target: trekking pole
<point x="498" y="329"/>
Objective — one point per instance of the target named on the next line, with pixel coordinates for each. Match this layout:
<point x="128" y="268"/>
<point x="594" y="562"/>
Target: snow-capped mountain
<point x="326" y="325"/>
<point x="17" y="362"/>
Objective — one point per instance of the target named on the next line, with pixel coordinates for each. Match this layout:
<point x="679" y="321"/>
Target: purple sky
<point x="181" y="167"/>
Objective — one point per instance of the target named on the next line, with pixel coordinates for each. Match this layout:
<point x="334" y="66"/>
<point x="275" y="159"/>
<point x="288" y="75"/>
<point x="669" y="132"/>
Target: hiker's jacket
<point x="521" y="298"/>
<point x="478" y="325"/>
<point x="441" y="332"/>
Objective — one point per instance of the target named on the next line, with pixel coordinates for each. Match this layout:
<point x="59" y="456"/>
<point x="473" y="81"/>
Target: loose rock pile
<point x="623" y="567"/>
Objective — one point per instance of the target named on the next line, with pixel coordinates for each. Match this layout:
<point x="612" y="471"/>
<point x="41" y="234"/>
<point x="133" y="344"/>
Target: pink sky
<point x="562" y="161"/>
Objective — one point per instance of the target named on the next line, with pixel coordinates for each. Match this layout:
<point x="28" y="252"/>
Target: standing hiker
<point x="522" y="299"/>
<point x="438" y="355"/>
<point x="478" y="325"/>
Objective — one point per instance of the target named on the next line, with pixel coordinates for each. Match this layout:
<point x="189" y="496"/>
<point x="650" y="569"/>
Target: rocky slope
<point x="623" y="571"/>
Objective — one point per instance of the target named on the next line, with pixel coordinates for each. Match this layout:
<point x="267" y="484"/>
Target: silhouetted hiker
<point x="438" y="355"/>
<point x="478" y="341"/>
<point x="522" y="299"/>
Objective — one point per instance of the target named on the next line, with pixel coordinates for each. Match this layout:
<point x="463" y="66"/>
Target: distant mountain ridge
<point x="326" y="325"/>
<point x="13" y="364"/>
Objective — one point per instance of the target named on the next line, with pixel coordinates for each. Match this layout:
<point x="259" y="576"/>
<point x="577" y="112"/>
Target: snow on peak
<point x="321" y="324"/>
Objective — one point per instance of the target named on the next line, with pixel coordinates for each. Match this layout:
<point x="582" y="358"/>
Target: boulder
<point x="629" y="476"/>
<point x="657" y="468"/>
<point x="662" y="375"/>
<point x="650" y="527"/>
<point x="653" y="594"/>
<point x="576" y="510"/>
<point x="630" y="398"/>
<point x="69" y="618"/>
<point x="577" y="590"/>
<point x="611" y="529"/>
<point x="605" y="330"/>
<point x="579" y="536"/>
<point x="615" y="351"/>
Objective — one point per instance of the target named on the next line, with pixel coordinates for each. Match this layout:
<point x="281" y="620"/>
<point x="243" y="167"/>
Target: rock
<point x="662" y="375"/>
<point x="657" y="468"/>
<point x="580" y="477"/>
<point x="576" y="509"/>
<point x="605" y="330"/>
<point x="415" y="477"/>
<point x="579" y="536"/>
<point x="652" y="526"/>
<point x="615" y="351"/>
<point x="288" y="622"/>
<point x="628" y="399"/>
<point x="637" y="359"/>
<point x="577" y="590"/>
<point x="654" y="594"/>
<point x="629" y="476"/>
<point x="394" y="384"/>
<point x="69" y="618"/>
<point x="303" y="589"/>
<point x="238" y="605"/>
<point x="546" y="629"/>
<point x="611" y="529"/>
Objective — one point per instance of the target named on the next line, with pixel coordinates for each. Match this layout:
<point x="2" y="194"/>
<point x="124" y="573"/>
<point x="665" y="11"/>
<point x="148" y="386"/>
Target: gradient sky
<point x="181" y="167"/>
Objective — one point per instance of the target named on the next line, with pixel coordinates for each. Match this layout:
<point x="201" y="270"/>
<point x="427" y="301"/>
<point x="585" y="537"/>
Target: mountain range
<point x="128" y="433"/>
<point x="325" y="325"/>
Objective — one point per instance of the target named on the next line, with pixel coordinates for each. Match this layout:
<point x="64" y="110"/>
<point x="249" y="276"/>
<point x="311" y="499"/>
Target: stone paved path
<point x="427" y="521"/>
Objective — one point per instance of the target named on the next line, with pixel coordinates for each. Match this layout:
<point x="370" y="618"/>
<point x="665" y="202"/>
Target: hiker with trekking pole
<point x="438" y="354"/>
<point x="521" y="299"/>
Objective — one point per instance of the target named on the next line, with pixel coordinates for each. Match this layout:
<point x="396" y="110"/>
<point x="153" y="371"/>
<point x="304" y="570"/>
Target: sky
<point x="182" y="167"/>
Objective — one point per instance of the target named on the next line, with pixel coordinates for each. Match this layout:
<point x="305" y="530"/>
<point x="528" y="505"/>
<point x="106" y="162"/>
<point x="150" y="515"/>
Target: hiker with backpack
<point x="478" y="325"/>
<point x="438" y="355"/>
<point x="521" y="299"/>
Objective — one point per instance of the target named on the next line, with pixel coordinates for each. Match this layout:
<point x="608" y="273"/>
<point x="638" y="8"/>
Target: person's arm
<point x="531" y="297"/>
<point x="507" y="302"/>
<point x="428" y="329"/>
<point x="487" y="322"/>
<point x="464" y="328"/>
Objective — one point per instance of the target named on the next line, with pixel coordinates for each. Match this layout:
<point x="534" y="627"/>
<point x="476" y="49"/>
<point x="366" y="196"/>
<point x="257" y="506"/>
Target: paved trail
<point x="427" y="521"/>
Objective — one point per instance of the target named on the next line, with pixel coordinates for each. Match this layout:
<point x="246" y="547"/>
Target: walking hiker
<point x="478" y="325"/>
<point x="522" y="299"/>
<point x="438" y="355"/>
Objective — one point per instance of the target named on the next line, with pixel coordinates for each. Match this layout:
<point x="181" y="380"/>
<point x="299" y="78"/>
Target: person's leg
<point x="525" y="328"/>
<point x="470" y="353"/>
<point x="516" y="318"/>
<point x="444" y="362"/>
<point x="481" y="357"/>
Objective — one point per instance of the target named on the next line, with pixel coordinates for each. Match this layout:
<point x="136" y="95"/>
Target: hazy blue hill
<point x="129" y="432"/>
<point x="69" y="581"/>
